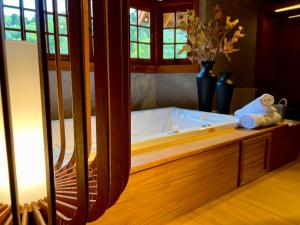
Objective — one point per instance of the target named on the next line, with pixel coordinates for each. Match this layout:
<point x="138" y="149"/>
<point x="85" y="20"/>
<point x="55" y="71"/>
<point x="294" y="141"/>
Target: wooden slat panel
<point x="253" y="158"/>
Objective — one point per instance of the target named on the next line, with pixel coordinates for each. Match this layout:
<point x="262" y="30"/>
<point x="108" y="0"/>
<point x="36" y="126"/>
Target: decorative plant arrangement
<point x="208" y="40"/>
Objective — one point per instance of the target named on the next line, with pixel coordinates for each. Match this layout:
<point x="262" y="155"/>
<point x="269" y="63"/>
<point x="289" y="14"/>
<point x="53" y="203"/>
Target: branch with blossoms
<point x="207" y="40"/>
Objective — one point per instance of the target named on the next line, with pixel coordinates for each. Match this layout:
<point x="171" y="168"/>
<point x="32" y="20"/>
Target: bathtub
<point x="152" y="127"/>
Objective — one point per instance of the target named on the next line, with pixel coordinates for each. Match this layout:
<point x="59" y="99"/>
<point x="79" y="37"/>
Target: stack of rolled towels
<point x="258" y="113"/>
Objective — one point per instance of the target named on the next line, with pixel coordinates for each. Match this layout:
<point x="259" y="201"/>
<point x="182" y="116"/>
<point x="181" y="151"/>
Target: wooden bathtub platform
<point x="170" y="180"/>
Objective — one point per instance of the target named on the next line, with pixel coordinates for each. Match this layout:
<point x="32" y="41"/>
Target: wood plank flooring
<point x="271" y="200"/>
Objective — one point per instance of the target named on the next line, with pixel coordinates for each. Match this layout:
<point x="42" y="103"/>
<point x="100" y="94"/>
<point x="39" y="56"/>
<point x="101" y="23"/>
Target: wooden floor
<point x="271" y="200"/>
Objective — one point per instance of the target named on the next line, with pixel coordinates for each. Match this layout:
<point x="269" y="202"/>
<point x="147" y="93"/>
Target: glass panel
<point x="12" y="18"/>
<point x="133" y="50"/>
<point x="168" y="52"/>
<point x="182" y="55"/>
<point x="30" y="20"/>
<point x="144" y="34"/>
<point x="181" y="36"/>
<point x="144" y="51"/>
<point x="62" y="21"/>
<point x="169" y="36"/>
<point x="50" y="23"/>
<point x="169" y="20"/>
<point x="61" y="7"/>
<point x="51" y="44"/>
<point x="31" y="37"/>
<point x="64" y="48"/>
<point x="133" y="33"/>
<point x="133" y="16"/>
<point x="180" y="16"/>
<point x="49" y="6"/>
<point x="144" y="18"/>
<point x="12" y="35"/>
<point x="12" y="2"/>
<point x="29" y="4"/>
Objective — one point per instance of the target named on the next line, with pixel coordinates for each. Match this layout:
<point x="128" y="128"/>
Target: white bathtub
<point x="153" y="127"/>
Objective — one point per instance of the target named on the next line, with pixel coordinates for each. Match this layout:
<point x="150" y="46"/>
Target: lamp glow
<point x="294" y="16"/>
<point x="27" y="120"/>
<point x="288" y="8"/>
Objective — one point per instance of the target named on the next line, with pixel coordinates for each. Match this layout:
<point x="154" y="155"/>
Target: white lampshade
<point x="26" y="107"/>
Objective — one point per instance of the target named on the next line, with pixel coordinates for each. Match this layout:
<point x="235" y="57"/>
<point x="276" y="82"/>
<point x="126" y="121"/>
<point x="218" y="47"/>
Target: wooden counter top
<point x="157" y="155"/>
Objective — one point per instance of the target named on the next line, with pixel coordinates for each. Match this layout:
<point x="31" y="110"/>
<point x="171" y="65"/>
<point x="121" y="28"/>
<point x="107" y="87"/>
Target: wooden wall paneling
<point x="156" y="195"/>
<point x="8" y="128"/>
<point x="79" y="47"/>
<point x="253" y="156"/>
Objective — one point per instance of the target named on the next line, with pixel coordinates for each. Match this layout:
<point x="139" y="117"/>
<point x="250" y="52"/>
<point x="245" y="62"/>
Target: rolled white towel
<point x="261" y="105"/>
<point x="251" y="121"/>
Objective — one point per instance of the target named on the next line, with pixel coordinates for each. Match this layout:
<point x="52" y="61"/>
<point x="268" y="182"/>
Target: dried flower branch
<point x="207" y="40"/>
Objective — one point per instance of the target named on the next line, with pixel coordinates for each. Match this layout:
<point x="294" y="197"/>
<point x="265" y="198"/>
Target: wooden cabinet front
<point x="253" y="156"/>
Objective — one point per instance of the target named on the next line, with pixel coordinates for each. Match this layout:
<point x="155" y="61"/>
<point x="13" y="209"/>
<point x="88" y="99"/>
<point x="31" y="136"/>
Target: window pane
<point x="29" y="4"/>
<point x="49" y="6"/>
<point x="144" y="51"/>
<point x="168" y="52"/>
<point x="12" y="17"/>
<point x="50" y="23"/>
<point x="62" y="21"/>
<point x="12" y="35"/>
<point x="12" y="2"/>
<point x="31" y="37"/>
<point x="181" y="36"/>
<point x="144" y="34"/>
<point x="133" y="33"/>
<point x="133" y="16"/>
<point x="144" y="18"/>
<point x="169" y="20"/>
<point x="61" y="7"/>
<point x="51" y="44"/>
<point x="180" y="16"/>
<point x="169" y="36"/>
<point x="133" y="50"/>
<point x="180" y="56"/>
<point x="64" y="48"/>
<point x="30" y="20"/>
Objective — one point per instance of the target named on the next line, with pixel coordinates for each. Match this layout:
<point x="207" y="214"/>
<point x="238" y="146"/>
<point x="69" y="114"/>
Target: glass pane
<point x="51" y="44"/>
<point x="31" y="37"/>
<point x="182" y="55"/>
<point x="29" y="4"/>
<point x="12" y="18"/>
<point x="64" y="48"/>
<point x="144" y="34"/>
<point x="62" y="21"/>
<point x="144" y="18"/>
<point x="133" y="33"/>
<point x="169" y="36"/>
<point x="133" y="16"/>
<point x="144" y="51"/>
<point x="12" y="35"/>
<point x="181" y="36"/>
<point x="50" y="24"/>
<point x="168" y="52"/>
<point x="169" y="20"/>
<point x="12" y="2"/>
<point x="133" y="50"/>
<point x="179" y="17"/>
<point x="49" y="6"/>
<point x="61" y="7"/>
<point x="30" y="20"/>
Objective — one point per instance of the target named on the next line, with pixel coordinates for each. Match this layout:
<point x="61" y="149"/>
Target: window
<point x="140" y="34"/>
<point x="173" y="37"/>
<point x="20" y="22"/>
